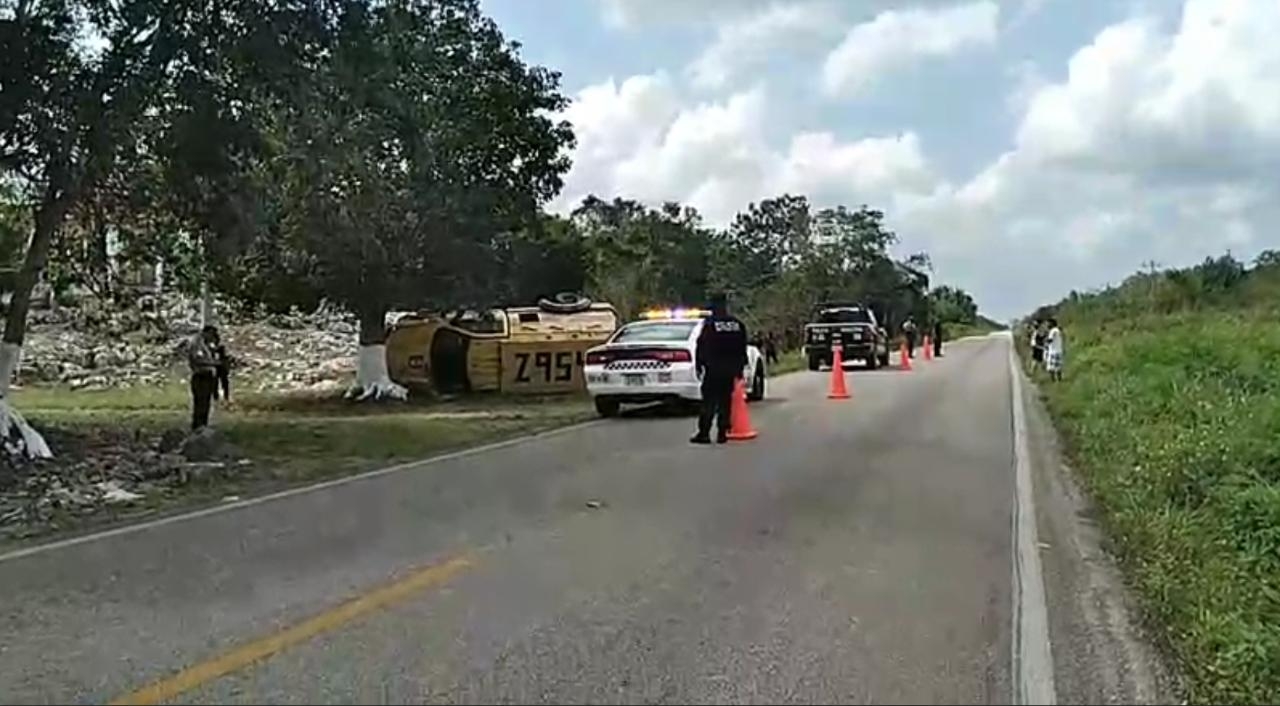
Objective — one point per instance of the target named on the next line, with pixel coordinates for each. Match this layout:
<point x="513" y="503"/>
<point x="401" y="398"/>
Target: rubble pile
<point x="91" y="346"/>
<point x="92" y="473"/>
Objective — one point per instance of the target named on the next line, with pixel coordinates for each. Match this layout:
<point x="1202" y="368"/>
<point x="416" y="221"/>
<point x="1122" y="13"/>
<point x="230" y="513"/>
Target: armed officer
<point x="721" y="358"/>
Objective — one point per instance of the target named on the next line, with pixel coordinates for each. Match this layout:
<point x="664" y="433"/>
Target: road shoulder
<point x="1101" y="653"/>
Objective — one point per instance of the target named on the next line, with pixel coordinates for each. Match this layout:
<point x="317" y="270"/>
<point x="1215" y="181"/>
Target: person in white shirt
<point x="1055" y="347"/>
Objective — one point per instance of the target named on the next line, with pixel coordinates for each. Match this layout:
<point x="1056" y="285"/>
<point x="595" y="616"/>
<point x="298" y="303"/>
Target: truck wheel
<point x="815" y="362"/>
<point x="757" y="386"/>
<point x="873" y="361"/>
<point x="884" y="359"/>
<point x="607" y="408"/>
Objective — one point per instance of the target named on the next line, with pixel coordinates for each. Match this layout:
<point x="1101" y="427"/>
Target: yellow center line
<point x="249" y="653"/>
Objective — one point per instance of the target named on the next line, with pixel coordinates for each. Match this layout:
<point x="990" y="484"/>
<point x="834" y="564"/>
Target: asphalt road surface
<point x="857" y="551"/>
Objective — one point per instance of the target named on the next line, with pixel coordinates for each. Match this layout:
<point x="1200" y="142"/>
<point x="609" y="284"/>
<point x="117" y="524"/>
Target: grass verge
<point x="1174" y="423"/>
<point x="788" y="363"/>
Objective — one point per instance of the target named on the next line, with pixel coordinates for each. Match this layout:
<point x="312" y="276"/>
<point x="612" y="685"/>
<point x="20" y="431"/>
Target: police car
<point x="652" y="360"/>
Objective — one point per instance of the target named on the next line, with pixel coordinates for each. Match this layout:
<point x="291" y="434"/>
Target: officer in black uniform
<point x="722" y="356"/>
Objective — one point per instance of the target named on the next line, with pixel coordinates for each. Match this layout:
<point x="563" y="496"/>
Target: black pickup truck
<point x="856" y="330"/>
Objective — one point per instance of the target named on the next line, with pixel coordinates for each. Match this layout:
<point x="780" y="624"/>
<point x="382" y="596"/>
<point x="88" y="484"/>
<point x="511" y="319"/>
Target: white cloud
<point x="828" y="171"/>
<point x="1204" y="100"/>
<point x="640" y="139"/>
<point x="638" y="13"/>
<point x="748" y="42"/>
<point x="1157" y="145"/>
<point x="631" y="13"/>
<point x="1160" y="141"/>
<point x="898" y="38"/>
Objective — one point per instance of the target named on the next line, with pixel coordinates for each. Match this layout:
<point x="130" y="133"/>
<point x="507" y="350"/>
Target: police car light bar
<point x="675" y="314"/>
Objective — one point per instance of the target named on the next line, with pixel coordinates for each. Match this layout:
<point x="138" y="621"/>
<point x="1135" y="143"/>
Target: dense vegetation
<point x="1171" y="408"/>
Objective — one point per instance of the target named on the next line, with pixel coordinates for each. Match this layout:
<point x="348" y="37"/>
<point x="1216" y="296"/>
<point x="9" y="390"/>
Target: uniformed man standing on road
<point x="722" y="356"/>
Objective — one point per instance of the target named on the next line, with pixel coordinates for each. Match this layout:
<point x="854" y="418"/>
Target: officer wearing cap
<point x="721" y="358"/>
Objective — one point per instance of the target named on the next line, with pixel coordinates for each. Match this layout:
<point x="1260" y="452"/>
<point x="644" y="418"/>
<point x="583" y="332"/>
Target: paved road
<point x="856" y="552"/>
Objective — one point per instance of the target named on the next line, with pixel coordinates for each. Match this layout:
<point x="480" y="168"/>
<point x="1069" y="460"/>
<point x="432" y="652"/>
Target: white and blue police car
<point x="652" y="360"/>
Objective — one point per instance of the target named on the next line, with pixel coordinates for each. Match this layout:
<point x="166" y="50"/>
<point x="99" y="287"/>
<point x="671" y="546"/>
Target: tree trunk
<point x="19" y="438"/>
<point x="373" y="382"/>
<point x="207" y="314"/>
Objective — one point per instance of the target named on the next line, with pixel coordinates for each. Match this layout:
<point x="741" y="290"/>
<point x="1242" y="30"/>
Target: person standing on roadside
<point x="1038" y="336"/>
<point x="771" y="348"/>
<point x="721" y="358"/>
<point x="1054" y="350"/>
<point x="909" y="331"/>
<point x="937" y="338"/>
<point x="204" y="375"/>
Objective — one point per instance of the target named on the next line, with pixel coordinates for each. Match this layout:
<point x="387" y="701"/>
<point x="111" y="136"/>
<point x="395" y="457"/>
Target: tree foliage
<point x="384" y="159"/>
<point x="777" y="260"/>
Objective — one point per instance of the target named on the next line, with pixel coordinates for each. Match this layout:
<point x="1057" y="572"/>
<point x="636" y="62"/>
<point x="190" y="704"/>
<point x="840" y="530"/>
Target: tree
<point x="545" y="258"/>
<point x="391" y="163"/>
<point x="639" y="257"/>
<point x="70" y="116"/>
<point x="953" y="305"/>
<point x="763" y="242"/>
<point x="1267" y="259"/>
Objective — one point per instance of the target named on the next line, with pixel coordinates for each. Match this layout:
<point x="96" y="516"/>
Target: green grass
<point x="788" y="363"/>
<point x="1173" y="420"/>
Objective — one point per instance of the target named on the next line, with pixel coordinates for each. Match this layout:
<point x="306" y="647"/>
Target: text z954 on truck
<point x="852" y="327"/>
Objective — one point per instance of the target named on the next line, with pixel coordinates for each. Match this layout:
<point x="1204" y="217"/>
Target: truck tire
<point x="815" y="362"/>
<point x="873" y="361"/>
<point x="884" y="359"/>
<point x="565" y="303"/>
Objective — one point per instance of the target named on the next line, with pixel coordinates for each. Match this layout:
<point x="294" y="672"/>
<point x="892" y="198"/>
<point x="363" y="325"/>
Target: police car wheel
<point x="607" y="408"/>
<point x="757" y="386"/>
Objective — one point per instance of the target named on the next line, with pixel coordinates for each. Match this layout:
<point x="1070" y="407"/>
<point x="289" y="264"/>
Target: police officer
<point x="204" y="375"/>
<point x="722" y="356"/>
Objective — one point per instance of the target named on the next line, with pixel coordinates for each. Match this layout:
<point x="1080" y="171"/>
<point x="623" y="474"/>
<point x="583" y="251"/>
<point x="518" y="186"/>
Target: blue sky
<point x="1031" y="146"/>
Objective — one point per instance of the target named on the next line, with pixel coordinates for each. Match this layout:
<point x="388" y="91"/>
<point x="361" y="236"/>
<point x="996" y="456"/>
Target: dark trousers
<point x="224" y="382"/>
<point x="203" y="387"/>
<point x="717" y="393"/>
<point x="911" y="345"/>
<point x="937" y="347"/>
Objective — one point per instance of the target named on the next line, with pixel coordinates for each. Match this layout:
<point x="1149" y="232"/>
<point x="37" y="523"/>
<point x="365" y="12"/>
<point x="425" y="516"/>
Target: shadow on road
<point x="667" y="410"/>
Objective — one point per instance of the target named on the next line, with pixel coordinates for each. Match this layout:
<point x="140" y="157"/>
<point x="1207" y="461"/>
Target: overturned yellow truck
<point x="530" y="349"/>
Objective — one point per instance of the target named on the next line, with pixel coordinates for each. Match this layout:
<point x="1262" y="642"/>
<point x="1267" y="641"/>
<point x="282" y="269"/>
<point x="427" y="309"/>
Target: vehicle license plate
<point x="634" y="380"/>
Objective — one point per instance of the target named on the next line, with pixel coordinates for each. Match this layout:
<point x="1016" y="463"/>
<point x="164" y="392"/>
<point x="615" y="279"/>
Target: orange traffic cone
<point x="740" y="428"/>
<point x="906" y="358"/>
<point x="928" y="349"/>
<point x="838" y="389"/>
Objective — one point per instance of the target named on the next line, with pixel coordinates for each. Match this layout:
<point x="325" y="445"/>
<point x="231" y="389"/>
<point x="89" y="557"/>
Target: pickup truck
<point x="851" y="326"/>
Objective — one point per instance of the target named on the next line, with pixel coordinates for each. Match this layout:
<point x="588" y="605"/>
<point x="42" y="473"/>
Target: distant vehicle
<point x="652" y="360"/>
<point x="523" y="349"/>
<point x="851" y="326"/>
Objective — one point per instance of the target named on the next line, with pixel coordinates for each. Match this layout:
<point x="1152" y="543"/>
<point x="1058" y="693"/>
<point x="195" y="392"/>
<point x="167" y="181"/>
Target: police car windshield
<point x="844" y="316"/>
<point x="655" y="331"/>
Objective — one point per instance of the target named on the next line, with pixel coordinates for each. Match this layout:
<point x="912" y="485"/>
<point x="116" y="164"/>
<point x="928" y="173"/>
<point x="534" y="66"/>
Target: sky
<point x="1031" y="147"/>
